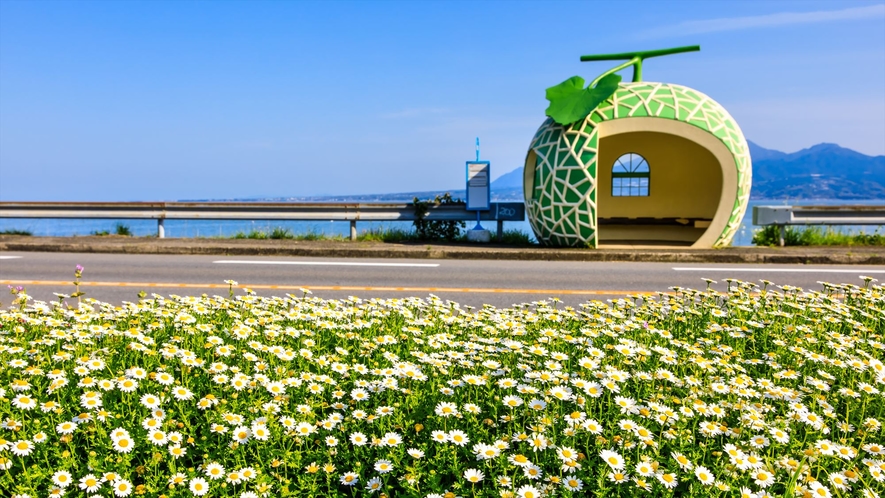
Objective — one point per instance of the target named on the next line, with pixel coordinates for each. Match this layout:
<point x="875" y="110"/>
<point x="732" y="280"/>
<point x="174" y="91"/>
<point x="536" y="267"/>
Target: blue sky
<point x="195" y="100"/>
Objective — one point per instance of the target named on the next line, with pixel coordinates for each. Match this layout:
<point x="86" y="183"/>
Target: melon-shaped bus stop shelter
<point x="652" y="163"/>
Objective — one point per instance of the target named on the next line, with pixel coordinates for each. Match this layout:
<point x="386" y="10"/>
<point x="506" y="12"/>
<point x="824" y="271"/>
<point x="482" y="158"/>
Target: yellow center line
<point x="67" y="283"/>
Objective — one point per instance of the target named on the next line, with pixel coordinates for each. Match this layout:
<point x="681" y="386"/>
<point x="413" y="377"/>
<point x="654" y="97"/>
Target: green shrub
<point x="447" y="230"/>
<point x="14" y="231"/>
<point x="121" y="229"/>
<point x="254" y="234"/>
<point x="815" y="236"/>
<point x="281" y="233"/>
<point x="872" y="239"/>
<point x="769" y="235"/>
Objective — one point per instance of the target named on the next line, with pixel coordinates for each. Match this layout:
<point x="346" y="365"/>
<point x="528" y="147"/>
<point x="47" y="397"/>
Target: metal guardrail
<point x="817" y="215"/>
<point x="353" y="212"/>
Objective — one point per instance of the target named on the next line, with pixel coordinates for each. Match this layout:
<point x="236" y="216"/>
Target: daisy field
<point x="758" y="391"/>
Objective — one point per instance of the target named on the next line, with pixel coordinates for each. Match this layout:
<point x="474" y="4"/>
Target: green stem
<point x="635" y="59"/>
<point x="636" y="62"/>
<point x="645" y="54"/>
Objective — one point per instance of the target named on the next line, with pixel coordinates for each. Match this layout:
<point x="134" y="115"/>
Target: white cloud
<point x="767" y="21"/>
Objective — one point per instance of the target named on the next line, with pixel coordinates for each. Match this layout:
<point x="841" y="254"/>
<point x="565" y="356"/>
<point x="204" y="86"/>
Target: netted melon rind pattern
<point x="562" y="203"/>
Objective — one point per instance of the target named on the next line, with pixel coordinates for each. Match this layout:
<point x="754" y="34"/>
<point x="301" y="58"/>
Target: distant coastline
<point x="821" y="172"/>
<point x="499" y="195"/>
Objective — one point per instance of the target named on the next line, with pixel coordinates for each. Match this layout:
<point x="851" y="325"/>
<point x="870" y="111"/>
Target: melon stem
<point x="634" y="59"/>
<point x="636" y="62"/>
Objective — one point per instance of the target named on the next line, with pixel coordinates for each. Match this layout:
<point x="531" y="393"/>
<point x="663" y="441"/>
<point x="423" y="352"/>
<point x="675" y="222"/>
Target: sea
<point x="224" y="229"/>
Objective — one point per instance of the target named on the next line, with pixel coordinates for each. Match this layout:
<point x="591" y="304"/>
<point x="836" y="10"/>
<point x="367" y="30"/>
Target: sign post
<point x="478" y="193"/>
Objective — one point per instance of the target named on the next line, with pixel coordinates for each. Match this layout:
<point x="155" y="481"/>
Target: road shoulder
<point x="858" y="255"/>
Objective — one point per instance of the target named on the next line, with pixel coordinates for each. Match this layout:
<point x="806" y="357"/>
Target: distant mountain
<point x="498" y="195"/>
<point x="759" y="153"/>
<point x="824" y="171"/>
<point x="508" y="180"/>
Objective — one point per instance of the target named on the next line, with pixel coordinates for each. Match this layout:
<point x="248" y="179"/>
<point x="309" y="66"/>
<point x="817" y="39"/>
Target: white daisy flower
<point x="122" y="487"/>
<point x="90" y="483"/>
<point x="214" y="471"/>
<point x="22" y="447"/>
<point x="473" y="476"/>
<point x="199" y="486"/>
<point x="62" y="478"/>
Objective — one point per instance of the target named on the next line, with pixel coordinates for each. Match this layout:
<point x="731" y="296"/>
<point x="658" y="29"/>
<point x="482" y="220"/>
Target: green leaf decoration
<point x="570" y="101"/>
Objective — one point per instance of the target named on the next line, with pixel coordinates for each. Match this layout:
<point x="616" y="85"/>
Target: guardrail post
<point x="500" y="230"/>
<point x="353" y="230"/>
<point x="161" y="229"/>
<point x="783" y="232"/>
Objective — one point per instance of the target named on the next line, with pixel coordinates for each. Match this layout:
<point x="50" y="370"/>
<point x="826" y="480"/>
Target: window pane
<point x="635" y="185"/>
<point x="630" y="163"/>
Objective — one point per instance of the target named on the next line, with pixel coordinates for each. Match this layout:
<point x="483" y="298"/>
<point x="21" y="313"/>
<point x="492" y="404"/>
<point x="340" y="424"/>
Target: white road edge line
<point x="322" y="263"/>
<point x="781" y="270"/>
<point x="10" y="257"/>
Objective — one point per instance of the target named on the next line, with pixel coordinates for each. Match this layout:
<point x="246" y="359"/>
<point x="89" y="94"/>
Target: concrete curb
<point x="336" y="249"/>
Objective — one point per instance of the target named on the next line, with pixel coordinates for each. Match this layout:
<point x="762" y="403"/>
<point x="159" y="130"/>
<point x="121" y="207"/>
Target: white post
<point x="161" y="230"/>
<point x="783" y="232"/>
<point x="353" y="230"/>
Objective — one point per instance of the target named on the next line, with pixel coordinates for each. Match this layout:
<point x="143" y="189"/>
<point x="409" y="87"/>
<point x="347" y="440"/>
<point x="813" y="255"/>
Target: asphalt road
<point x="119" y="277"/>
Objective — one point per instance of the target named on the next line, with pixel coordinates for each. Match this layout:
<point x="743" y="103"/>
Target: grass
<point x="15" y="231"/>
<point x="392" y="235"/>
<point x="816" y="236"/>
<point x="278" y="233"/>
<point x="509" y="238"/>
<point x="119" y="229"/>
<point x="516" y="238"/>
<point x="389" y="235"/>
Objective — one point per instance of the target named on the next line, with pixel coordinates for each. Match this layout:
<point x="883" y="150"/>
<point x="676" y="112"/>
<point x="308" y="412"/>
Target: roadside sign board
<point x="478" y="186"/>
